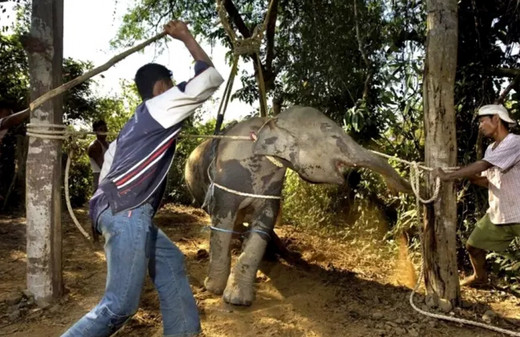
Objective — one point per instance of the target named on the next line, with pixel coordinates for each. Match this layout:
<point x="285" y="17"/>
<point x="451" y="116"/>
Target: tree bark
<point x="439" y="244"/>
<point x="43" y="203"/>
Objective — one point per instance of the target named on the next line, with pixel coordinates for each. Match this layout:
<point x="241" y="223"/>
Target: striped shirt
<point x="146" y="145"/>
<point x="504" y="180"/>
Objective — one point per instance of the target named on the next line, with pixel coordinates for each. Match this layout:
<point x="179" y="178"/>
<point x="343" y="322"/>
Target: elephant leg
<point x="219" y="254"/>
<point x="240" y="285"/>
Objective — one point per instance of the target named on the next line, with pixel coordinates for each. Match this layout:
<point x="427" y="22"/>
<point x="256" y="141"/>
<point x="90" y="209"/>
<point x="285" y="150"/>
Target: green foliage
<point x="507" y="266"/>
<point x="13" y="72"/>
<point x="80" y="173"/>
<point x="308" y="205"/>
<point x="79" y="102"/>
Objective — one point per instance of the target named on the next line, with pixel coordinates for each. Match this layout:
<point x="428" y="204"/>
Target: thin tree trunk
<point x="439" y="246"/>
<point x="45" y="50"/>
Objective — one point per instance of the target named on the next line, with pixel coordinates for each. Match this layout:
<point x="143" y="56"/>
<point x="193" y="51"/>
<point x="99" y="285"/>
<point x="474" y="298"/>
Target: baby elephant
<point x="242" y="183"/>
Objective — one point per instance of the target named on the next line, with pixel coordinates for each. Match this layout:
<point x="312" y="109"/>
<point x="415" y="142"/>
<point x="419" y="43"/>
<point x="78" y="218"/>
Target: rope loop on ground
<point x="455" y="319"/>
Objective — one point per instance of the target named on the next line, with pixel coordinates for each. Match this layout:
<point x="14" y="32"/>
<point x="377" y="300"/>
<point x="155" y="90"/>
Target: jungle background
<point x="360" y="62"/>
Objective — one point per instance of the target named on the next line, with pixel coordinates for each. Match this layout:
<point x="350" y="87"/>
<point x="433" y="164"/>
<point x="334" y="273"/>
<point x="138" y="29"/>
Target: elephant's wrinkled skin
<point x="300" y="138"/>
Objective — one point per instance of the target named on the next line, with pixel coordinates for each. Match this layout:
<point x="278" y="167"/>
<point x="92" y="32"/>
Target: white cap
<point x="496" y="109"/>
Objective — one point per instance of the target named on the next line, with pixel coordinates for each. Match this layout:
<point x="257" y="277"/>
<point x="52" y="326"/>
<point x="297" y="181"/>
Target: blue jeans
<point x="133" y="244"/>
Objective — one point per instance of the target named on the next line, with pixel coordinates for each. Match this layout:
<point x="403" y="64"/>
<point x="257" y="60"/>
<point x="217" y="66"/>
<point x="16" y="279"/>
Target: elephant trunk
<point x="374" y="162"/>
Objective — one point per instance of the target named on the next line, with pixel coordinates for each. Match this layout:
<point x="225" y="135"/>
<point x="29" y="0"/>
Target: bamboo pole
<point x="80" y="79"/>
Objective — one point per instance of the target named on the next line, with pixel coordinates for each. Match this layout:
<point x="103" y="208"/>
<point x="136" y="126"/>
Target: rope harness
<point x="248" y="46"/>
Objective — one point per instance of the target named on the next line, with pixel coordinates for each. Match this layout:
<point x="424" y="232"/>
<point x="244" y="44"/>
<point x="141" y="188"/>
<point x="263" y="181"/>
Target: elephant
<point x="242" y="183"/>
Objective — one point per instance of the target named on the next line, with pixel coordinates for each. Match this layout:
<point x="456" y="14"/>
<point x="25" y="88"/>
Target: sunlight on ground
<point x="101" y="256"/>
<point x="17" y="255"/>
<point x="404" y="273"/>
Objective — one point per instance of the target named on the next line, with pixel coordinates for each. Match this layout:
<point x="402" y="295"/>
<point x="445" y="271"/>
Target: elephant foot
<point x="213" y="286"/>
<point x="236" y="295"/>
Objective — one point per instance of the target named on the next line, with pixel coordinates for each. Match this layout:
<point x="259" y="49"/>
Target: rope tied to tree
<point x="243" y="46"/>
<point x="250" y="45"/>
<point x="415" y="183"/>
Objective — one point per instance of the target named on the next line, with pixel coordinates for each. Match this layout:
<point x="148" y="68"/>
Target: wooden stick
<point x="72" y="83"/>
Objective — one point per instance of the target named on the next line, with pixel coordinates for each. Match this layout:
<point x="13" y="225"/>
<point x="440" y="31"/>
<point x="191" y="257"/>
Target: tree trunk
<point x="45" y="51"/>
<point x="439" y="246"/>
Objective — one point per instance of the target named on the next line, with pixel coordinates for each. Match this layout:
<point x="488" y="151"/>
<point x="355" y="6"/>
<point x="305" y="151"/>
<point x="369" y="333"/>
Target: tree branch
<point x="503" y="72"/>
<point x="269" y="35"/>
<point x="363" y="54"/>
<point x="237" y="19"/>
<point x="506" y="91"/>
<point x="64" y="87"/>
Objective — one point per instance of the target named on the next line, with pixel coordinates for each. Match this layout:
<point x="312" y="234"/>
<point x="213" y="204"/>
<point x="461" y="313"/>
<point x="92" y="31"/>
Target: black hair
<point x="97" y="124"/>
<point x="147" y="76"/>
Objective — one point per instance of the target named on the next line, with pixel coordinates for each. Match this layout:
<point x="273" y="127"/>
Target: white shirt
<point x="504" y="180"/>
<point x="95" y="167"/>
<point x="107" y="159"/>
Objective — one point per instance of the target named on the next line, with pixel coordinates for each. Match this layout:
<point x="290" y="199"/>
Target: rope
<point x="410" y="163"/>
<point x="42" y="131"/>
<point x="248" y="46"/>
<point x="226" y="96"/>
<point x="245" y="138"/>
<point x="67" y="198"/>
<point x="242" y="234"/>
<point x="414" y="182"/>
<point x="455" y="319"/>
<point x="232" y="191"/>
<point x="250" y="195"/>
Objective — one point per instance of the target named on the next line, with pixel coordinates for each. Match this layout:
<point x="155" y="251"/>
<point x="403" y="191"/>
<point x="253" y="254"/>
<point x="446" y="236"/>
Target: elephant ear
<point x="272" y="140"/>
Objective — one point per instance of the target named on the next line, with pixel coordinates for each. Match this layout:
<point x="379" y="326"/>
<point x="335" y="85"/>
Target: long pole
<point x="80" y="79"/>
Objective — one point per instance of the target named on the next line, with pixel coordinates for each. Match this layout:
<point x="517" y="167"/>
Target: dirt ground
<point x="349" y="287"/>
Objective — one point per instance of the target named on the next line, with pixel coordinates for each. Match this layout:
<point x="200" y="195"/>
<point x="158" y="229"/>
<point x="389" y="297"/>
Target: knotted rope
<point x="248" y="46"/>
<point x="60" y="132"/>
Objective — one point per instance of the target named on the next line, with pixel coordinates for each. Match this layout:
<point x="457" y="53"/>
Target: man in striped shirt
<point x="499" y="171"/>
<point x="128" y="196"/>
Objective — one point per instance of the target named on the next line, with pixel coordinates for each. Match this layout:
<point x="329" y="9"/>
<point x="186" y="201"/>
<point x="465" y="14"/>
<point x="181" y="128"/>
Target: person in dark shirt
<point x="128" y="197"/>
<point x="8" y="123"/>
